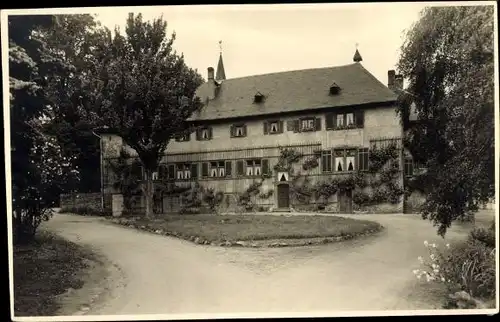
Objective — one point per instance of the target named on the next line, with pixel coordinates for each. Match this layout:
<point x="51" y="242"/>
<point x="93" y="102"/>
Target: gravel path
<point x="165" y="275"/>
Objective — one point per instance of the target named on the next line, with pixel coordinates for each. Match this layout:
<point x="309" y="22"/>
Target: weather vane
<point x="220" y="46"/>
<point x="357" y="45"/>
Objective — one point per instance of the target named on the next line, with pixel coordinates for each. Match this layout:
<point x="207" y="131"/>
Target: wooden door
<point x="283" y="196"/>
<point x="345" y="201"/>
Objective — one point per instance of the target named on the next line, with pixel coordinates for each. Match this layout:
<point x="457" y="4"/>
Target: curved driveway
<point x="165" y="275"/>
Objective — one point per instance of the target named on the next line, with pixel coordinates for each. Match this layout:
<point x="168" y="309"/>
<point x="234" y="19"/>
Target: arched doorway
<point x="283" y="196"/>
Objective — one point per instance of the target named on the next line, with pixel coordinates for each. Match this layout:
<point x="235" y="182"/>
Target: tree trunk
<point x="148" y="193"/>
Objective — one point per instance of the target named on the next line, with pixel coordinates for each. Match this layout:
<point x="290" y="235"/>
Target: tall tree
<point x="37" y="166"/>
<point x="144" y="91"/>
<point x="448" y="59"/>
<point x="72" y="41"/>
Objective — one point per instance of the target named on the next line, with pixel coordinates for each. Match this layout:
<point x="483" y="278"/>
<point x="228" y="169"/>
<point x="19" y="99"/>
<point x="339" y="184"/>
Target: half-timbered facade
<point x="334" y="115"/>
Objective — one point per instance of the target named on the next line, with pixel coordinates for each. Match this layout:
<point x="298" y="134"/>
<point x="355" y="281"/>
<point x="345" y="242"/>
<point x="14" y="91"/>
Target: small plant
<point x="466" y="267"/>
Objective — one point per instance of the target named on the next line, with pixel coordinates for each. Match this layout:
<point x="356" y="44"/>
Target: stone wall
<point x="76" y="200"/>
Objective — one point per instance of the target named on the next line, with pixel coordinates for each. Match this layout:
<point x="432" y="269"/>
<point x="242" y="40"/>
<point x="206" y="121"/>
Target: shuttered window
<point x="326" y="161"/>
<point x="204" y="169"/>
<point x="265" y="166"/>
<point x="194" y="170"/>
<point x="240" y="168"/>
<point x="229" y="168"/>
<point x="363" y="159"/>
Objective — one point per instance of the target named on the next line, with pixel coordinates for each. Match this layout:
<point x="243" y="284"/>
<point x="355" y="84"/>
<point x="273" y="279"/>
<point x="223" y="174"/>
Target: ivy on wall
<point x="381" y="177"/>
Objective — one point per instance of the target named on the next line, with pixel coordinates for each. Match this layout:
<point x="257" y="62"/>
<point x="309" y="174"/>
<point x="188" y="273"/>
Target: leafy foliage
<point x="448" y="59"/>
<point x="143" y="90"/>
<point x="468" y="266"/>
<point x="39" y="169"/>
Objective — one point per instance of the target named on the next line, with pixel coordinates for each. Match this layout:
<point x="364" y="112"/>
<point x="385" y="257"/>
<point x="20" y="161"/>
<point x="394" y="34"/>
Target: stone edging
<point x="271" y="243"/>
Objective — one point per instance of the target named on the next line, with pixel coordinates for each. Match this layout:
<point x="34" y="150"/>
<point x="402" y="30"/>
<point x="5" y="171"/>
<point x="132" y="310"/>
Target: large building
<point x="313" y="139"/>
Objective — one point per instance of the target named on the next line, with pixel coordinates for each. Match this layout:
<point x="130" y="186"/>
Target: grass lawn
<point x="43" y="270"/>
<point x="258" y="227"/>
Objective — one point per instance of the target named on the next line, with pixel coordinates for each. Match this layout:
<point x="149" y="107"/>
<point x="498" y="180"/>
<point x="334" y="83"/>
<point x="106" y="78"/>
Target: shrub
<point x="466" y="267"/>
<point x="486" y="236"/>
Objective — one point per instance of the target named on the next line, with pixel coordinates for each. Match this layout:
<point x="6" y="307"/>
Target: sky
<point x="258" y="39"/>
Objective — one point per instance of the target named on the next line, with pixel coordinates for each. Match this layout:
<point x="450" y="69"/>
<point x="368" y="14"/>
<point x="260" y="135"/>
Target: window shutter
<point x="171" y="171"/>
<point x="280" y="129"/>
<point x="188" y="136"/>
<point x="231" y="131"/>
<point x="194" y="170"/>
<point x="244" y="130"/>
<point x="229" y="168"/>
<point x="239" y="168"/>
<point x="266" y="127"/>
<point x="265" y="166"/>
<point x="359" y="118"/>
<point x="210" y="133"/>
<point x="318" y="124"/>
<point x="329" y="118"/>
<point x="296" y="126"/>
<point x="198" y="134"/>
<point x="290" y="125"/>
<point x="204" y="169"/>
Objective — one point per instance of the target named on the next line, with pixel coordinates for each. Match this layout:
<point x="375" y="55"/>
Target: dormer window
<point x="334" y="89"/>
<point x="258" y="98"/>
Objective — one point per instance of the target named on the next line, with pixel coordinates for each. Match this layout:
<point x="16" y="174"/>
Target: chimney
<point x="391" y="75"/>
<point x="210" y="73"/>
<point x="398" y="82"/>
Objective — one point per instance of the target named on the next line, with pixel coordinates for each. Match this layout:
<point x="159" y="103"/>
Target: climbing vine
<point x="381" y="178"/>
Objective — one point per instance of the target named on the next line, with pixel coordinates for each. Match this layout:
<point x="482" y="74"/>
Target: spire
<point x="220" y="74"/>
<point x="357" y="56"/>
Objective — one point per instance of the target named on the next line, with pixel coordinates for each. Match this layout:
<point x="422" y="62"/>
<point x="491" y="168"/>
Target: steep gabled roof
<point x="292" y="91"/>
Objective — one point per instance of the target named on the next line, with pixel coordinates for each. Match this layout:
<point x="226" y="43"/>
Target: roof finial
<point x="357" y="56"/>
<point x="220" y="46"/>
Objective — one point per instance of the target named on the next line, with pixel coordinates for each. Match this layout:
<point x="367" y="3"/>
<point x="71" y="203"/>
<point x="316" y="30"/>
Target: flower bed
<point x="255" y="230"/>
<point x="466" y="269"/>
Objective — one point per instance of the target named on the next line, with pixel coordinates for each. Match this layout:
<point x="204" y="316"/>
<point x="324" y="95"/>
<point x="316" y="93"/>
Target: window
<point x="154" y="176"/>
<point x="326" y="161"/>
<point x="408" y="166"/>
<point x="346" y="120"/>
<point x="273" y="127"/>
<point x="254" y="168"/>
<point x="349" y="119"/>
<point x="307" y="124"/>
<point x="239" y="130"/>
<point x="339" y="161"/>
<point x="218" y="169"/>
<point x="183" y="172"/>
<point x="203" y="134"/>
<point x="345" y="160"/>
<point x="183" y="138"/>
<point x="363" y="159"/>
<point x="340" y="120"/>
